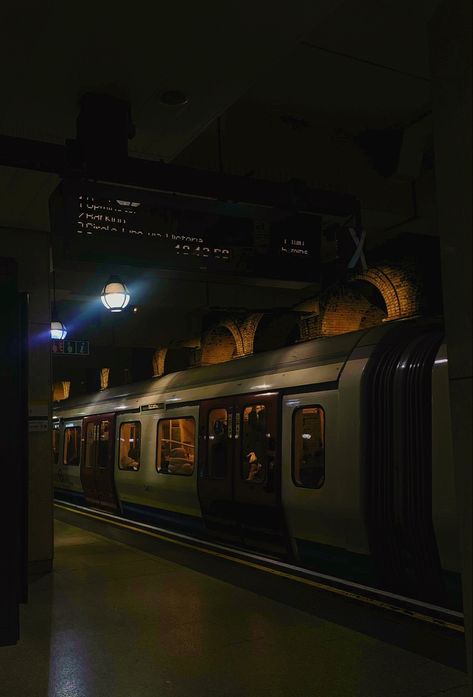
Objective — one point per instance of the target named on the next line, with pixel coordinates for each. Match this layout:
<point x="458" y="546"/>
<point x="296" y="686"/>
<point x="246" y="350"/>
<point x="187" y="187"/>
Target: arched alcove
<point x="346" y="309"/>
<point x="399" y="287"/>
<point x="218" y="345"/>
<point x="275" y="330"/>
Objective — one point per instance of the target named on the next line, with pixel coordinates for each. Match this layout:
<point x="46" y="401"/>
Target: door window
<point x="308" y="455"/>
<point x="254" y="443"/>
<point x="175" y="451"/>
<point x="217" y="444"/>
<point x="72" y="446"/>
<point x="56" y="444"/>
<point x="104" y="437"/>
<point x="130" y="446"/>
<point x="90" y="444"/>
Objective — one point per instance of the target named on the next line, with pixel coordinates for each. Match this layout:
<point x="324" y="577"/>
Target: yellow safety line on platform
<point x="276" y="572"/>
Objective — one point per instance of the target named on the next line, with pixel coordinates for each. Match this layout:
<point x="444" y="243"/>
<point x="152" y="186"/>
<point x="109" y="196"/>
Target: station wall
<point x="30" y="249"/>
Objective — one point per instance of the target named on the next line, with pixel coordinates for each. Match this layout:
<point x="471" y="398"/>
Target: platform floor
<point x="113" y="621"/>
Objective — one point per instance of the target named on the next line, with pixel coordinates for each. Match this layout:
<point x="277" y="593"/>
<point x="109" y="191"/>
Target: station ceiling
<point x="295" y="83"/>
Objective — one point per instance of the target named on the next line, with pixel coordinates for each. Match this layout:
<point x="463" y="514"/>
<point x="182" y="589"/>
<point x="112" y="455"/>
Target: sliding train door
<point x="215" y="480"/>
<point x="240" y="473"/>
<point x="97" y="474"/>
<point x="257" y="473"/>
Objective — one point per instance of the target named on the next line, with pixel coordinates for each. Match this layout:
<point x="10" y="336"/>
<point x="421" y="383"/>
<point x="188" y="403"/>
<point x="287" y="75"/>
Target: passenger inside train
<point x="130" y="438"/>
<point x="175" y="452"/>
<point x="255" y="472"/>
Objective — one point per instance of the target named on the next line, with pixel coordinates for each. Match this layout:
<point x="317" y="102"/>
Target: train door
<point x="97" y="461"/>
<point x="215" y="482"/>
<point x="56" y="438"/>
<point x="68" y="462"/>
<point x="320" y="481"/>
<point x="239" y="482"/>
<point x="257" y="473"/>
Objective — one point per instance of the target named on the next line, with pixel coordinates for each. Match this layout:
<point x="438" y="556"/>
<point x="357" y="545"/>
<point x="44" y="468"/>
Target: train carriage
<point x="335" y="453"/>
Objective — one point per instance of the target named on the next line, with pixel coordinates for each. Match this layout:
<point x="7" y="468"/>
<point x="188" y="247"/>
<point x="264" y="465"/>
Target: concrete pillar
<point x="31" y="251"/>
<point x="450" y="53"/>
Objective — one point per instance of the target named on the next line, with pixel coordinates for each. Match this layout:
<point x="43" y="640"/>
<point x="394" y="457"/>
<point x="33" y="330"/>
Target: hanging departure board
<point x="100" y="222"/>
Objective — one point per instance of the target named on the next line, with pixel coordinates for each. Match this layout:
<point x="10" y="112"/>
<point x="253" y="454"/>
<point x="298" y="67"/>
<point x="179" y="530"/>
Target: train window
<point x="175" y="450"/>
<point x="102" y="459"/>
<point x="254" y="444"/>
<point x="217" y="444"/>
<point x="308" y="454"/>
<point x="130" y="446"/>
<point x="56" y="444"/>
<point x="90" y="445"/>
<point x="71" y="455"/>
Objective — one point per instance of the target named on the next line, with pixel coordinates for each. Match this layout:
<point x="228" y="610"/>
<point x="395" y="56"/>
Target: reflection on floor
<point x="112" y="621"/>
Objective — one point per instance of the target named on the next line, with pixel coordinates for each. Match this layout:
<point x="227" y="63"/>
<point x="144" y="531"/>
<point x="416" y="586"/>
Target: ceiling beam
<point x="62" y="160"/>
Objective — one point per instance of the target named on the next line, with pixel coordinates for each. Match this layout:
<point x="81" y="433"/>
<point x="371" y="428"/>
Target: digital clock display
<point x="119" y="217"/>
<point x="100" y="222"/>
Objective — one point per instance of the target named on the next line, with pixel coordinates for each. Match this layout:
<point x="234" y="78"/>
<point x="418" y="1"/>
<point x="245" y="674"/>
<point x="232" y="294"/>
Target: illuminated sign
<point x="66" y="347"/>
<point x="100" y="222"/>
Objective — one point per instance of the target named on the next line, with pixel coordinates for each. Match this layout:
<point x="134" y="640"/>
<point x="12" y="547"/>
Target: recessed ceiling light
<point x="174" y="98"/>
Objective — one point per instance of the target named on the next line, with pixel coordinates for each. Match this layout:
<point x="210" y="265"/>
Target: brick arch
<point x="178" y="358"/>
<point x="399" y="287"/>
<point x="159" y="360"/>
<point x="170" y="359"/>
<point x="275" y="330"/>
<point x="235" y="330"/>
<point x="243" y="330"/>
<point x="61" y="390"/>
<point x="248" y="328"/>
<point x="347" y="309"/>
<point x="310" y="326"/>
<point x="219" y="345"/>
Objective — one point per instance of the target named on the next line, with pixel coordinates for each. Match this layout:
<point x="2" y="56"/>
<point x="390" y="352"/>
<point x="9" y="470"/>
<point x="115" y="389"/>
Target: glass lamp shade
<point x="58" y="330"/>
<point x="115" y="295"/>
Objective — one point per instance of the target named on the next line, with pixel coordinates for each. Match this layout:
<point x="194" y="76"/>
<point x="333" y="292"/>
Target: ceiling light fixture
<point x="115" y="295"/>
<point x="58" y="329"/>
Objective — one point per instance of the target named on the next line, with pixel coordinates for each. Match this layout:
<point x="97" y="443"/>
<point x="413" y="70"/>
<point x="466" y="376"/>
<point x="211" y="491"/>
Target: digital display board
<point x="101" y="222"/>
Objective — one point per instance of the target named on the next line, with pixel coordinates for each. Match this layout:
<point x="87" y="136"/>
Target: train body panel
<point x="305" y="486"/>
<point x="352" y="500"/>
<point x="444" y="511"/>
<point x="67" y="449"/>
<point x="310" y="509"/>
<point x="146" y="487"/>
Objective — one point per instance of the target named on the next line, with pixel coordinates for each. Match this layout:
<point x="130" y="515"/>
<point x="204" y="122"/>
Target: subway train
<point x="334" y="453"/>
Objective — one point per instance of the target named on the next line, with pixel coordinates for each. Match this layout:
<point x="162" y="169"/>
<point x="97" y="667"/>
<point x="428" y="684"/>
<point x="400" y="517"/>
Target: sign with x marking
<point x="359" y="253"/>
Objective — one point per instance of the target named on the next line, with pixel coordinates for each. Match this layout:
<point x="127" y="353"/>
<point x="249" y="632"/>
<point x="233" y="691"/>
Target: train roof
<point x="315" y="352"/>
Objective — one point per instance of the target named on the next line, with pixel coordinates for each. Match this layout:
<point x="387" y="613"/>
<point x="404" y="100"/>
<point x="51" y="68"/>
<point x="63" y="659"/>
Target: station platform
<point x="113" y="620"/>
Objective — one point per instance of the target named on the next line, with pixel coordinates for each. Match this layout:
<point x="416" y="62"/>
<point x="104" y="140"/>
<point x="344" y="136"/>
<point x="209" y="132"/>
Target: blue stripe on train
<point x="76" y="497"/>
<point x="163" y="518"/>
<point x="360" y="568"/>
<point x="336" y="561"/>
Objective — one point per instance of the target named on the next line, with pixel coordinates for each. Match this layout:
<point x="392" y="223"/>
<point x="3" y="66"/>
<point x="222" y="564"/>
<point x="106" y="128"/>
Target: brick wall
<point x="218" y="346"/>
<point x="159" y="359"/>
<point x="381" y="293"/>
<point x="347" y="310"/>
<point x="61" y="390"/>
<point x="400" y="287"/>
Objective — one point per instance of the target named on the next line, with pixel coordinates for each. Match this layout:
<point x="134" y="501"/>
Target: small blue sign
<point x="70" y="347"/>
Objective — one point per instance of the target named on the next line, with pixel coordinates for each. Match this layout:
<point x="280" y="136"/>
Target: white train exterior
<point x="381" y="507"/>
